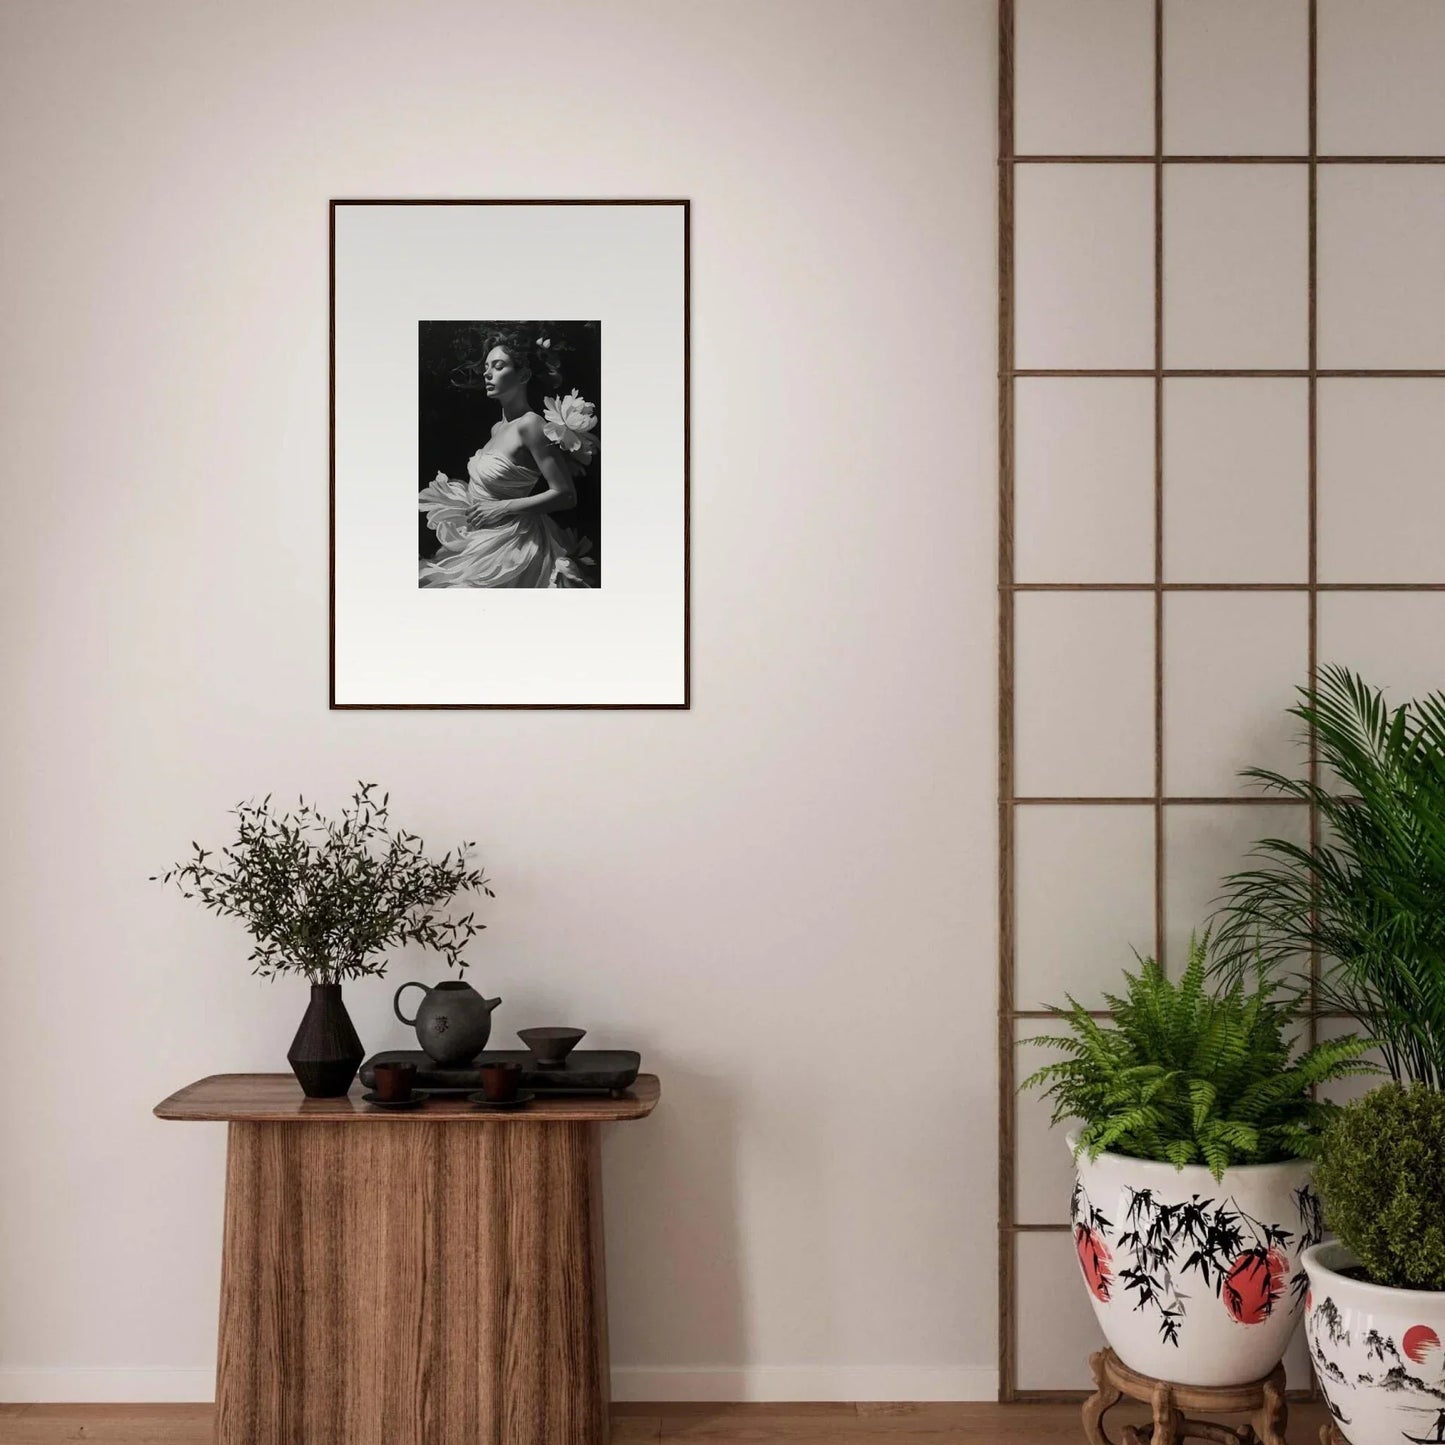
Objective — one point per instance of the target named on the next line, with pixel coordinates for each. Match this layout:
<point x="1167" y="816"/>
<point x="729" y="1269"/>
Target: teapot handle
<point x="396" y="1002"/>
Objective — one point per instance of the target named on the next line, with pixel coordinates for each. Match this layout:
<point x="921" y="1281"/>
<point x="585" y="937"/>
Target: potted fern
<point x="324" y="898"/>
<point x="1196" y="1128"/>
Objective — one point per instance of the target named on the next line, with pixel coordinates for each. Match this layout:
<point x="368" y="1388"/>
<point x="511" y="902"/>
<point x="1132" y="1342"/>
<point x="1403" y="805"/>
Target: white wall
<point x="777" y="895"/>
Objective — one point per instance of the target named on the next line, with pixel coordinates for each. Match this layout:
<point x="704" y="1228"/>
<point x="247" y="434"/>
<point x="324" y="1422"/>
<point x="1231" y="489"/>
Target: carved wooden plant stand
<point x="1115" y="1381"/>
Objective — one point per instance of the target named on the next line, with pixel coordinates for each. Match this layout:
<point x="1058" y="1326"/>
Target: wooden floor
<point x="717" y="1424"/>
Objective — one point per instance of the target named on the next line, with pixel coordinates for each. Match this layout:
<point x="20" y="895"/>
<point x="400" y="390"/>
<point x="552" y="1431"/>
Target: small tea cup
<point x="500" y="1082"/>
<point x="394" y="1082"/>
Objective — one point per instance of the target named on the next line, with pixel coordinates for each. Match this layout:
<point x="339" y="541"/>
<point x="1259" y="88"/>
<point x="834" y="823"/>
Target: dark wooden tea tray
<point x="585" y="1071"/>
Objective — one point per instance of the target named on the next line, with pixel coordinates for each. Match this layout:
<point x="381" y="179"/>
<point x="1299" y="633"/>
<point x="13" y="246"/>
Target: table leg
<point x="413" y="1283"/>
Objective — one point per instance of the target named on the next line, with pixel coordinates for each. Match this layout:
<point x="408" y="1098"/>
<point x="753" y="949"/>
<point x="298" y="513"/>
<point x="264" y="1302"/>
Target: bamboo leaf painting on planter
<point x="1092" y="1228"/>
<point x="1240" y="1259"/>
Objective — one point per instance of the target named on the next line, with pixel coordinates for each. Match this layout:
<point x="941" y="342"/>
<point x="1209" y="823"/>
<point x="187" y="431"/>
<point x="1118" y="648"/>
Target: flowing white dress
<point x="529" y="550"/>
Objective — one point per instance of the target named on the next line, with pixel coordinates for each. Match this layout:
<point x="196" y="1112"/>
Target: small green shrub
<point x="1382" y="1178"/>
<point x="1186" y="1076"/>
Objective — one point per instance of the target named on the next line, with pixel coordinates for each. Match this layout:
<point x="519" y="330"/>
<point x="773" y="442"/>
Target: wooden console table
<point x="430" y="1277"/>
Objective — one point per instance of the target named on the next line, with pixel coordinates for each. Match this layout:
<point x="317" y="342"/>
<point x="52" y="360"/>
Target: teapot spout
<point x="491" y="1003"/>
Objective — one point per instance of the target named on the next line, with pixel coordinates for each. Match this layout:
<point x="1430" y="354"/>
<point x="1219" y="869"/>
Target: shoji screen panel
<point x="1222" y="463"/>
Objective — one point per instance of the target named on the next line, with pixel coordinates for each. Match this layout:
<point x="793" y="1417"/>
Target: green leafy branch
<point x="327" y="897"/>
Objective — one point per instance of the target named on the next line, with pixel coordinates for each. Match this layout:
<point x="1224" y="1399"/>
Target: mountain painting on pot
<point x="1191" y="1280"/>
<point x="1379" y="1353"/>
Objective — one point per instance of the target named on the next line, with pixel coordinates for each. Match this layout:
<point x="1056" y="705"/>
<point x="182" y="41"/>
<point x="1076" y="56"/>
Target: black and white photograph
<point x="510" y="395"/>
<point x="509" y="436"/>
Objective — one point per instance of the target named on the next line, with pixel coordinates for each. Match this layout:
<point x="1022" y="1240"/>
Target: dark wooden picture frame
<point x="684" y="702"/>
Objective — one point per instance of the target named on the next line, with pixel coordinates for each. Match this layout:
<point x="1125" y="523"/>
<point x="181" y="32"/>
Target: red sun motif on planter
<point x="1095" y="1260"/>
<point x="1419" y="1341"/>
<point x="1254" y="1282"/>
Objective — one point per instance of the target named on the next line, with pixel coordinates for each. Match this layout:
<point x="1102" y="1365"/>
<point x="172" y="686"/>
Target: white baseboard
<point x="728" y="1383"/>
<point x="19" y="1386"/>
<point x="721" y="1384"/>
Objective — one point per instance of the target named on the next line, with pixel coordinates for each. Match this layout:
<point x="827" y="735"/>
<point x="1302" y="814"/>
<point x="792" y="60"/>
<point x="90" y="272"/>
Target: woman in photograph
<point x="494" y="529"/>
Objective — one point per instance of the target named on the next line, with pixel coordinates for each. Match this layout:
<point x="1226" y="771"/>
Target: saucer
<point x="377" y="1102"/>
<point x="480" y="1101"/>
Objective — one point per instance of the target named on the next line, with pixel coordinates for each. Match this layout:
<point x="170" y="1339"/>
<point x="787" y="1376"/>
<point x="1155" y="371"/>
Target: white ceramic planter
<point x="1377" y="1351"/>
<point x="1194" y="1281"/>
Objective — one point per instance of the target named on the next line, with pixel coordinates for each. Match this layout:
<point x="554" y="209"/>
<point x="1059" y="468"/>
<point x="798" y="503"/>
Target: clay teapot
<point x="453" y="1022"/>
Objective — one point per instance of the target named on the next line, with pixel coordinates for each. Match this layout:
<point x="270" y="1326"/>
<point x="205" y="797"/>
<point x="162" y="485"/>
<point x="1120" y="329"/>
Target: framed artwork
<point x="509" y="453"/>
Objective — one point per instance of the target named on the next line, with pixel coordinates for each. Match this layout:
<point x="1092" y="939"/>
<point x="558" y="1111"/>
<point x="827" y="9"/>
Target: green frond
<point x="1180" y="1152"/>
<point x="1216" y="1156"/>
<point x="1202" y="1095"/>
<point x="1186" y="1072"/>
<point x="1368" y="897"/>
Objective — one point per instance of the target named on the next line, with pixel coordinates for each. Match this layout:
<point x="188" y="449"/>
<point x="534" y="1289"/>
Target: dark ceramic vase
<point x="326" y="1053"/>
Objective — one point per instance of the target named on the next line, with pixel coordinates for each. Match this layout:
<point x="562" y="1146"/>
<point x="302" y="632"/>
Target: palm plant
<point x="1190" y="1076"/>
<point x="1368" y="896"/>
